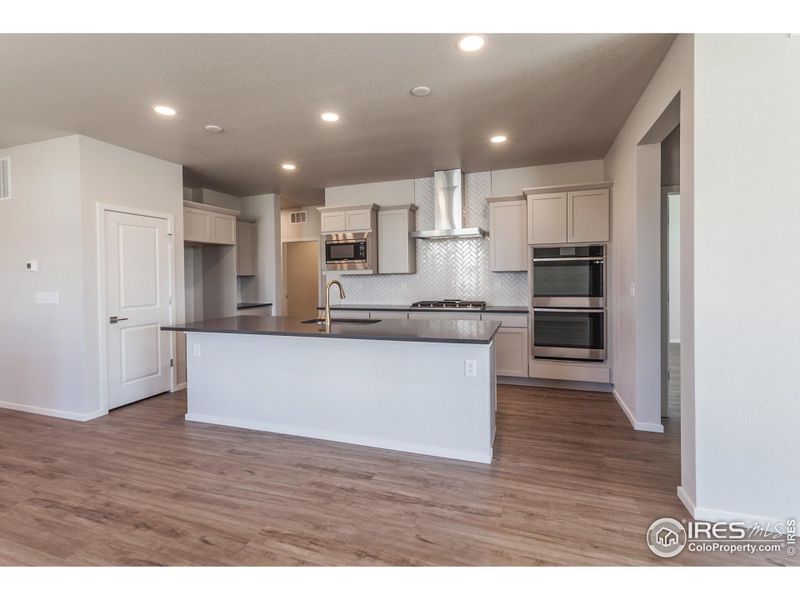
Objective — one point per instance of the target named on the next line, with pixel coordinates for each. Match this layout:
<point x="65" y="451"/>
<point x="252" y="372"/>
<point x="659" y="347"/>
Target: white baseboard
<point x="472" y="456"/>
<point x="637" y="425"/>
<point x="51" y="412"/>
<point x="179" y="387"/>
<point x="713" y="515"/>
<point x="674" y="340"/>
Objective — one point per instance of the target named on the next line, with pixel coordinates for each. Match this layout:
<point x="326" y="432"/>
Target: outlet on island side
<point x="471" y="368"/>
<point x="196" y="349"/>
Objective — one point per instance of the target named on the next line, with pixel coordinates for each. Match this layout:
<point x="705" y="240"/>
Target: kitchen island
<point x="416" y="386"/>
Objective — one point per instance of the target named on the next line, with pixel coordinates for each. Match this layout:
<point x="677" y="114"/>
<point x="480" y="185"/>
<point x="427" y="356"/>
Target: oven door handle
<point x="570" y="310"/>
<point x="594" y="259"/>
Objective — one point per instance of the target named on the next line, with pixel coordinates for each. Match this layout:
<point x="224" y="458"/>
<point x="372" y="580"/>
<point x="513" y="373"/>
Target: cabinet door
<point x="388" y="315"/>
<point x="245" y="249"/>
<point x="508" y="238"/>
<point x="588" y="216"/>
<point x="547" y="218"/>
<point x="394" y="245"/>
<point x="331" y="222"/>
<point x="223" y="229"/>
<point x="358" y="219"/>
<point x="196" y="225"/>
<point x="511" y="351"/>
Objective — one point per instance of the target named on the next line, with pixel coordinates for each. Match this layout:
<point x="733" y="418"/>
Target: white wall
<point x="301" y="232"/>
<point x="42" y="355"/>
<point x="674" y="275"/>
<point x="508" y="182"/>
<point x="215" y="198"/>
<point x="50" y="353"/>
<point x="635" y="253"/>
<point x="747" y="286"/>
<point x="266" y="210"/>
<point x="383" y="193"/>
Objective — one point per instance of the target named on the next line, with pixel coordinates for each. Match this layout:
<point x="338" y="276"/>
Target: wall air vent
<point x="297" y="218"/>
<point x="5" y="179"/>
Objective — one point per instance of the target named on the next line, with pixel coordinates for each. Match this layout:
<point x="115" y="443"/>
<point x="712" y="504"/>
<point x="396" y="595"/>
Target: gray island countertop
<point x="442" y="331"/>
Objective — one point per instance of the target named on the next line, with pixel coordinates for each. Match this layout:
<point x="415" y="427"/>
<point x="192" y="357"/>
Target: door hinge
<point x="171" y="362"/>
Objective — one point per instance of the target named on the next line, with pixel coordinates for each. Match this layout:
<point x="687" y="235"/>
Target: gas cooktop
<point x="451" y="303"/>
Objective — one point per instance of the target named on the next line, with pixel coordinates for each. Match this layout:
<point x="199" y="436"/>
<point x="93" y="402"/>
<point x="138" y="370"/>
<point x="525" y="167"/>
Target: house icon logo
<point x="666" y="537"/>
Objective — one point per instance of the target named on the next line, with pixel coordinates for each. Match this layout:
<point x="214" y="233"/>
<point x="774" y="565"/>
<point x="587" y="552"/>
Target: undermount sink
<point x="348" y="321"/>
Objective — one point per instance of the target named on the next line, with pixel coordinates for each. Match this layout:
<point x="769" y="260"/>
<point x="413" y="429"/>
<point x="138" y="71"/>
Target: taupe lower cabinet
<point x="560" y="215"/>
<point x="511" y="351"/>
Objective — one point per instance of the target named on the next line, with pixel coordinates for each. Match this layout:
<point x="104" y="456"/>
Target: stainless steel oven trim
<point x="571" y="259"/>
<point x="569" y="353"/>
<point x="568" y="302"/>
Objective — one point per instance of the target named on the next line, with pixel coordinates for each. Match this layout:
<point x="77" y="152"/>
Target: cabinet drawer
<point x="507" y="320"/>
<point x="348" y="314"/>
<point x="255" y="311"/>
<point x="358" y="219"/>
<point x="388" y="314"/>
<point x="453" y="316"/>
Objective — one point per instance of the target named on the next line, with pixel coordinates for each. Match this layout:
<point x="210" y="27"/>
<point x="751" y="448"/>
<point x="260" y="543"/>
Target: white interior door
<point x="137" y="305"/>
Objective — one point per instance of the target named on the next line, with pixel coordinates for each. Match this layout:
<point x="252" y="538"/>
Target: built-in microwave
<point x="349" y="251"/>
<point x="569" y="276"/>
<point x="569" y="333"/>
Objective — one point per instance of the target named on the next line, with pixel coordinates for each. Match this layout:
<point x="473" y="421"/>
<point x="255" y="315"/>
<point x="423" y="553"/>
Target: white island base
<point x="400" y="395"/>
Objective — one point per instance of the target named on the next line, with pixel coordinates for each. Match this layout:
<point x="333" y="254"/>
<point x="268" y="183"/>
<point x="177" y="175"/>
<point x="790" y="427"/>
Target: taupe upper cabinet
<point x="568" y="214"/>
<point x="396" y="249"/>
<point x="337" y="219"/>
<point x="206" y="224"/>
<point x="508" y="246"/>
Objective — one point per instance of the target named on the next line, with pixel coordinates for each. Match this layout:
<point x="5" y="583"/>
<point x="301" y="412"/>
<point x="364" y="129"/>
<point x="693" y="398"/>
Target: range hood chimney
<point x="448" y="198"/>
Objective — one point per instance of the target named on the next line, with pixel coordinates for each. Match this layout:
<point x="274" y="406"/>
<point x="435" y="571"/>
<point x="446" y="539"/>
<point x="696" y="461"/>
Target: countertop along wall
<point x="452" y="268"/>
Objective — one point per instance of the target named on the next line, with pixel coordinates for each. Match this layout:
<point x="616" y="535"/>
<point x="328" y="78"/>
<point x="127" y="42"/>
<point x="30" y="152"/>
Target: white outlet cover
<point x="196" y="349"/>
<point x="470" y="368"/>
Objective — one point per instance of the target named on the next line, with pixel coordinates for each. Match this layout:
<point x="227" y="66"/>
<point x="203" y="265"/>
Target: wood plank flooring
<point x="571" y="484"/>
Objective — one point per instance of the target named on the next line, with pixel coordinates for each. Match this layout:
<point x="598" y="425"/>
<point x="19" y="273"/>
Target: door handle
<point x="113" y="320"/>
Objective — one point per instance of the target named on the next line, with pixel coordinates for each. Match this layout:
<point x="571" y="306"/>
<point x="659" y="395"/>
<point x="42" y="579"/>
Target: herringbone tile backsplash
<point x="445" y="268"/>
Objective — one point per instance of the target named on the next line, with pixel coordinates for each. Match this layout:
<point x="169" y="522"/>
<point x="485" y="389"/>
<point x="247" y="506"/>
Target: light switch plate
<point x="32" y="266"/>
<point x="632" y="290"/>
<point x="46" y="298"/>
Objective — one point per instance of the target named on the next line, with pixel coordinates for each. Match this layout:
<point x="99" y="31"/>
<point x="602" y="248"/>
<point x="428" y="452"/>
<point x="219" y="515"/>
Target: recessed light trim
<point x="330" y="117"/>
<point x="498" y="139"/>
<point x="213" y="129"/>
<point x="471" y="43"/>
<point x="167" y="111"/>
<point x="421" y="91"/>
<point x="288" y="166"/>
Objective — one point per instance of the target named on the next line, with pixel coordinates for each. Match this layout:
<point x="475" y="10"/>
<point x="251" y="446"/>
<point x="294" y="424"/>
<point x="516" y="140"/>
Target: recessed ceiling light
<point x="498" y="139"/>
<point x="471" y="43"/>
<point x="213" y="129"/>
<point x="167" y="111"/>
<point x="421" y="90"/>
<point x="288" y="166"/>
<point x="329" y="116"/>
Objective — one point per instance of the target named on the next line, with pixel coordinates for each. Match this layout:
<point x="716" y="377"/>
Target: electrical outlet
<point x="497" y="286"/>
<point x="196" y="349"/>
<point x="471" y="368"/>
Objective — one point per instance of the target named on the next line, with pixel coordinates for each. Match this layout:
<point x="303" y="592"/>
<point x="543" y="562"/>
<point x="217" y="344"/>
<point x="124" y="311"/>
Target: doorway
<point x="137" y="282"/>
<point x="671" y="303"/>
<point x="301" y="279"/>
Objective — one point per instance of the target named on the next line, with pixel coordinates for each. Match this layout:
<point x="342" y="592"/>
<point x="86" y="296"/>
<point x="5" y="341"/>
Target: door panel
<point x="302" y="279"/>
<point x="138" y="296"/>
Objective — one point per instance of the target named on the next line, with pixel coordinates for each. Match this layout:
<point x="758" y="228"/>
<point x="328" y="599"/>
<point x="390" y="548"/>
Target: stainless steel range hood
<point x="448" y="220"/>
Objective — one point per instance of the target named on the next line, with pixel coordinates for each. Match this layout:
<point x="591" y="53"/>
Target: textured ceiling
<point x="557" y="97"/>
